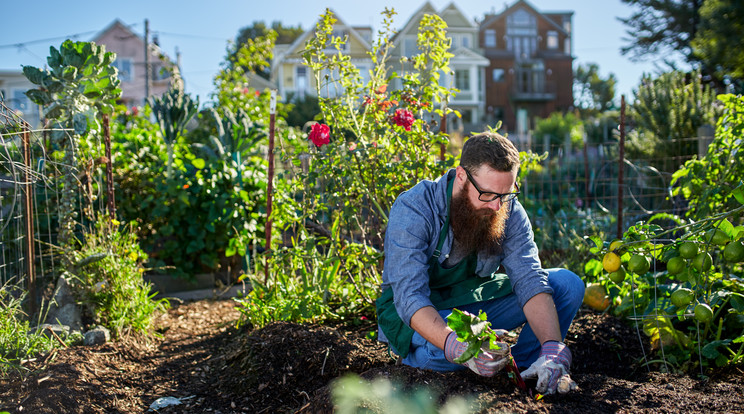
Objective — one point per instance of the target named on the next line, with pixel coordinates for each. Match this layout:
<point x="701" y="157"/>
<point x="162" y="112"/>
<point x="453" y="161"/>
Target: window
<point x="521" y="33"/>
<point x="498" y="75"/>
<point x="552" y="39"/>
<point x="462" y="79"/>
<point x="490" y="38"/>
<point x="466" y="41"/>
<point x="125" y="67"/>
<point x="409" y="46"/>
<point x="301" y="80"/>
<point x="19" y="101"/>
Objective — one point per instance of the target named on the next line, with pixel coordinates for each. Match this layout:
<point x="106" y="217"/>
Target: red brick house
<point x="530" y="73"/>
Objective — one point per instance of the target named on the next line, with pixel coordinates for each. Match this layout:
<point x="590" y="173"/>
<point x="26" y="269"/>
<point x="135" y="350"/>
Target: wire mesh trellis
<point x="577" y="191"/>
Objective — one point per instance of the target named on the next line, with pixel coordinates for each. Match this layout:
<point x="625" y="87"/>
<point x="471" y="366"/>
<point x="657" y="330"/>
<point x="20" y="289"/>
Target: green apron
<point x="450" y="287"/>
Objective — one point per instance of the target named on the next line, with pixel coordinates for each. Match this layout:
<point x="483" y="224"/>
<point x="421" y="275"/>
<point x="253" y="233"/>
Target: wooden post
<point x="270" y="184"/>
<point x="620" y="166"/>
<point x="109" y="168"/>
<point x="29" y="222"/>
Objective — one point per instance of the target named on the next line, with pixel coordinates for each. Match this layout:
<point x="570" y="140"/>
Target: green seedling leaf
<point x="739" y="193"/>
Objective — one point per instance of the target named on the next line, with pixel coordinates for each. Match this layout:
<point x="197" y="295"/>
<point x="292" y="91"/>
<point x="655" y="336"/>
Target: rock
<point x="96" y="336"/>
<point x="60" y="330"/>
<point x="63" y="310"/>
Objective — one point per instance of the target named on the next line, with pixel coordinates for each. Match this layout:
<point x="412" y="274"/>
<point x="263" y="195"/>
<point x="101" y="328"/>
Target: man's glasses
<point x="487" y="196"/>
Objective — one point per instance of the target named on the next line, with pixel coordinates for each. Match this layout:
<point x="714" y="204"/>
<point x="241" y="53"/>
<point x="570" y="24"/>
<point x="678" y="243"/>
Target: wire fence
<point x="593" y="190"/>
<point x="28" y="205"/>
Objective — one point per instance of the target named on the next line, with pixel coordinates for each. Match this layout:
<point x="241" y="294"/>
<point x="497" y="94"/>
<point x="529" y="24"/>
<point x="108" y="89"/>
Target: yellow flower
<point x="115" y="222"/>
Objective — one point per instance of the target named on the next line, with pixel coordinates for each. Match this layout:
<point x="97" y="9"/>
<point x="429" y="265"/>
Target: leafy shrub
<point x="17" y="341"/>
<point x="107" y="275"/>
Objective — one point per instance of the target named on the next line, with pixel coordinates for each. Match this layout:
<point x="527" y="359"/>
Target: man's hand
<point x="487" y="363"/>
<point x="551" y="369"/>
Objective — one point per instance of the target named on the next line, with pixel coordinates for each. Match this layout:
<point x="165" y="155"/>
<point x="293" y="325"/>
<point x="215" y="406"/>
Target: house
<point x="294" y="78"/>
<point x="468" y="63"/>
<point x="130" y="61"/>
<point x="13" y="87"/>
<point x="530" y="71"/>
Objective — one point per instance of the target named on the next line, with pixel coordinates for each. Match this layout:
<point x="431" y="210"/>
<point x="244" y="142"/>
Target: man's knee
<point x="566" y="284"/>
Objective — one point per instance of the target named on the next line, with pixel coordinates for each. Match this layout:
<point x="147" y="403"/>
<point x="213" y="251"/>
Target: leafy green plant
<point x="351" y="394"/>
<point x="708" y="183"/>
<point x="173" y="111"/>
<point x="473" y="330"/>
<point x="680" y="290"/>
<point x="667" y="112"/>
<point x="107" y="273"/>
<point x="18" y="342"/>
<point x="79" y="85"/>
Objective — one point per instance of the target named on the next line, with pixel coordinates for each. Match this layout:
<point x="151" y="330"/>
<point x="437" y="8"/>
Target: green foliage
<point x="473" y="330"/>
<point x="667" y="113"/>
<point x="17" y="341"/>
<point x="593" y="94"/>
<point x="351" y="395"/>
<point x="558" y="127"/>
<point x="280" y="33"/>
<point x="721" y="28"/>
<point x="79" y="84"/>
<point x="661" y="28"/>
<point x="107" y="274"/>
<point x="173" y="111"/>
<point x="686" y="337"/>
<point x="709" y="184"/>
<point x="344" y="189"/>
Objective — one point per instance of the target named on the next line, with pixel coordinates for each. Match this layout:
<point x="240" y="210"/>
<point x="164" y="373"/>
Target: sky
<point x="200" y="30"/>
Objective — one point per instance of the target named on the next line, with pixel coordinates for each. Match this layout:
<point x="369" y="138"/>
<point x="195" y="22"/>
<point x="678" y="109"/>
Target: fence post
<point x="29" y="222"/>
<point x="620" y="166"/>
<point x="270" y="184"/>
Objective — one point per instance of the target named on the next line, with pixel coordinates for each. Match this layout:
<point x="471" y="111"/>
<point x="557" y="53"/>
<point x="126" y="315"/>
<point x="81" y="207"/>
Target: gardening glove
<point x="551" y="369"/>
<point x="486" y="363"/>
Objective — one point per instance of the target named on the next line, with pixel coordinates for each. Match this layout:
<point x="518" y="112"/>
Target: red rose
<point x="404" y="118"/>
<point x="320" y="134"/>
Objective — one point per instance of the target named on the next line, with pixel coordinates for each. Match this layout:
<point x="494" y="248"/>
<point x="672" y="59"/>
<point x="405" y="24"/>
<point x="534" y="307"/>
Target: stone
<point x="96" y="336"/>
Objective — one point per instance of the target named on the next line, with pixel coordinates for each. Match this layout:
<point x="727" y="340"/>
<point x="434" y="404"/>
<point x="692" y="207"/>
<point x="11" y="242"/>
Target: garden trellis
<point x="29" y="196"/>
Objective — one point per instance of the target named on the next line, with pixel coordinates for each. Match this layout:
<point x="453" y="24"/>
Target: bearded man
<point x="464" y="241"/>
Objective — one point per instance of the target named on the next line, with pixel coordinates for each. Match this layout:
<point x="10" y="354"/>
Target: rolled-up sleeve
<point x="407" y="243"/>
<point x="521" y="259"/>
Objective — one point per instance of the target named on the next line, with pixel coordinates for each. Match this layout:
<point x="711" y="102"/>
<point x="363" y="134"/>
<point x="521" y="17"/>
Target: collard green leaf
<point x="39" y="97"/>
<point x="80" y="123"/>
<point x="34" y="75"/>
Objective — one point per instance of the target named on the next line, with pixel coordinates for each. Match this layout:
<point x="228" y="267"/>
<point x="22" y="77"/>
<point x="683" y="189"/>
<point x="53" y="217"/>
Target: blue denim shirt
<point x="414" y="224"/>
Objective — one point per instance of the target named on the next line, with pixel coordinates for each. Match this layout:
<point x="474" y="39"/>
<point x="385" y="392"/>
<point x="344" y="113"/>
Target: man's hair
<point x="491" y="149"/>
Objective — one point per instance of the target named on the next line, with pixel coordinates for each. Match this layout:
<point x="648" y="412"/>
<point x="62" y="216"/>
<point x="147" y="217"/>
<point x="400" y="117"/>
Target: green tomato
<point x="682" y="297"/>
<point x="703" y="313"/>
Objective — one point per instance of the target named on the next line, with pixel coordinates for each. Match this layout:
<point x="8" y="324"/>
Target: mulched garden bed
<point x="211" y="366"/>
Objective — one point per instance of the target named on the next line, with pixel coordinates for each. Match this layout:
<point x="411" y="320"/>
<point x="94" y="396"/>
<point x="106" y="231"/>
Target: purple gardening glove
<point x="551" y="369"/>
<point x="488" y="361"/>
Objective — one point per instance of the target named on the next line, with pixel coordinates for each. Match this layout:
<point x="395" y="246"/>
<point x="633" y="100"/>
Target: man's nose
<point x="494" y="205"/>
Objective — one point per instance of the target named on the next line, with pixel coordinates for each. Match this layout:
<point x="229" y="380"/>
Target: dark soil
<point x="211" y="366"/>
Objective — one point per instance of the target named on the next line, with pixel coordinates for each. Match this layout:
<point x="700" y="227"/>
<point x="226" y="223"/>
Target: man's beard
<point x="477" y="229"/>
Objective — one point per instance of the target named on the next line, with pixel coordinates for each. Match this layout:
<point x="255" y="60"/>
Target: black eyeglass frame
<point x="511" y="196"/>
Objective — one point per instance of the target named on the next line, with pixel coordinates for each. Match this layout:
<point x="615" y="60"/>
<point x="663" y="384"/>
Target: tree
<point x="593" y="94"/>
<point x="718" y="40"/>
<point x="667" y="112"/>
<point x="662" y="28"/>
<point x="284" y="35"/>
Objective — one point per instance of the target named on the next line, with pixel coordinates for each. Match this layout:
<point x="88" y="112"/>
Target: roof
<point x="524" y="3"/>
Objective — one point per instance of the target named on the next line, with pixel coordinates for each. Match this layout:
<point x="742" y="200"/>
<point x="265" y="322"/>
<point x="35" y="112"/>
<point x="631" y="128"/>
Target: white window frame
<point x="552" y="40"/>
<point x="489" y="38"/>
<point x="462" y="81"/>
<point x="118" y="63"/>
